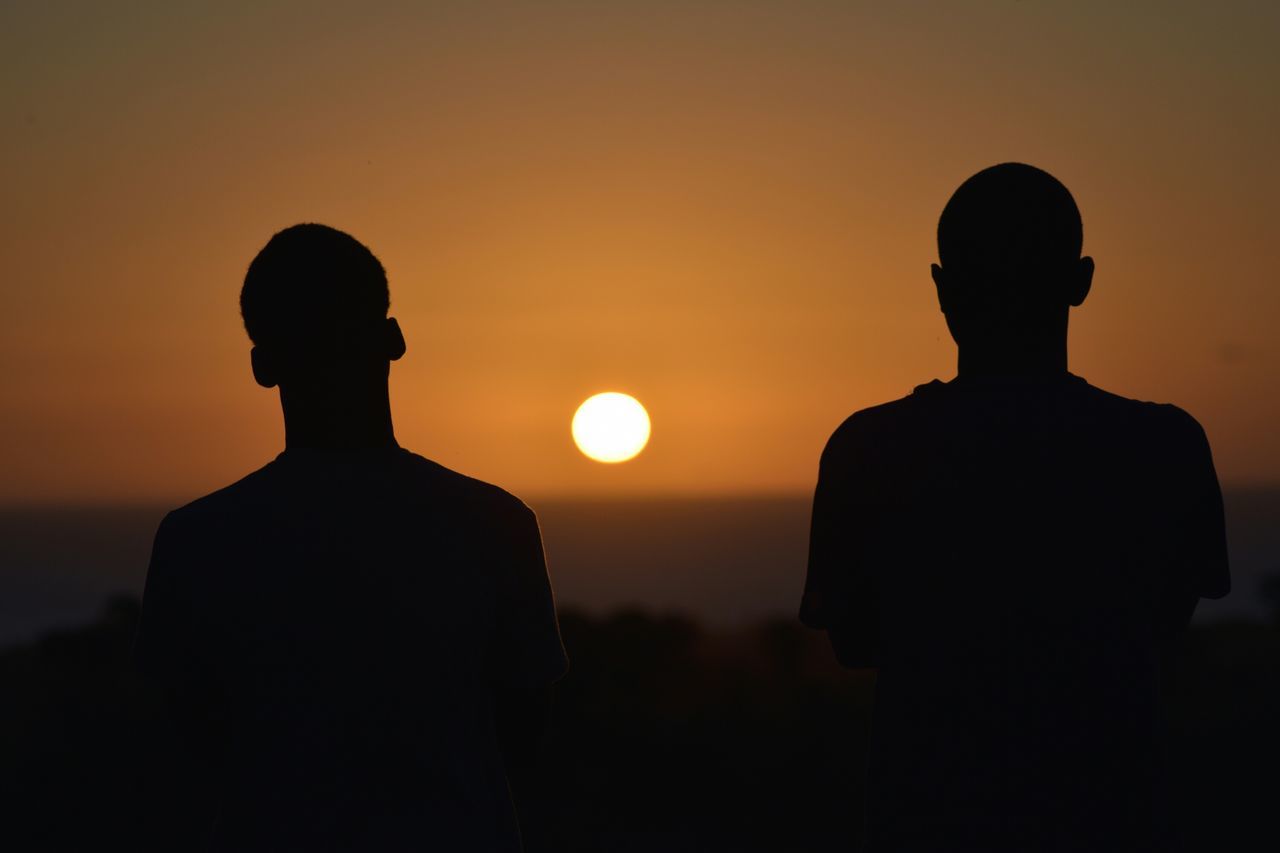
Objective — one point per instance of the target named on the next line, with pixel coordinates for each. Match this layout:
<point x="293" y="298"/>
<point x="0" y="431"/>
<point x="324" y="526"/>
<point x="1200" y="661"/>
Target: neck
<point x="1026" y="360"/>
<point x="1034" y="348"/>
<point x="331" y="421"/>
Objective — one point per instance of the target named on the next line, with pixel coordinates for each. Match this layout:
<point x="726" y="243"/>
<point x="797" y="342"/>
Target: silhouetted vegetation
<point x="666" y="737"/>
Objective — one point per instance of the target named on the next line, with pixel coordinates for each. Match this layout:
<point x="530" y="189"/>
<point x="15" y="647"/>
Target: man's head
<point x="1009" y="244"/>
<point x="315" y="303"/>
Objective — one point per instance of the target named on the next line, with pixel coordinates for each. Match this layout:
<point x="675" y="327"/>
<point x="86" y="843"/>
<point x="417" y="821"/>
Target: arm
<point x="1200" y="568"/>
<point x="841" y="593"/>
<point x="184" y="746"/>
<point x="529" y="655"/>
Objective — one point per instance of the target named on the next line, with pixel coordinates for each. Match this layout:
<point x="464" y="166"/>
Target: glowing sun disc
<point x="611" y="427"/>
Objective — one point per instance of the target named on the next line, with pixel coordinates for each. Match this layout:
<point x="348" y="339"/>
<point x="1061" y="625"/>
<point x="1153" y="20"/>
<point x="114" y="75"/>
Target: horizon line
<point x="532" y="497"/>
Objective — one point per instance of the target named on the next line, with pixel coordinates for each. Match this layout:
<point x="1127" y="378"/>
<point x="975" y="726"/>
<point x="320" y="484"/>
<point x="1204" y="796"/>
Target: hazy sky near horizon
<point x="726" y="209"/>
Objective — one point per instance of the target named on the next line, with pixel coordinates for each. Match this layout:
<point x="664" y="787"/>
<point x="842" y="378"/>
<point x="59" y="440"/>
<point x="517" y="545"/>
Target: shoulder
<point x="1179" y="422"/>
<point x="218" y="505"/>
<point x="870" y="427"/>
<point x="487" y="515"/>
<point x="1158" y="422"/>
<point x="463" y="490"/>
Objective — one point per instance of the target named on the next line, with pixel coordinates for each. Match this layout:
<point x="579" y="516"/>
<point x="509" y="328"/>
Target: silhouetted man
<point x="1016" y="552"/>
<point x="353" y="638"/>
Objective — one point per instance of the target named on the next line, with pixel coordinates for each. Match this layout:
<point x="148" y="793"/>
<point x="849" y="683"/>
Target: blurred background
<point x="726" y="209"/>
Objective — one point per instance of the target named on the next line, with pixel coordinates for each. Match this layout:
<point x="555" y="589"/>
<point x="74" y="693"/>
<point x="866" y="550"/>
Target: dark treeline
<point x="666" y="737"/>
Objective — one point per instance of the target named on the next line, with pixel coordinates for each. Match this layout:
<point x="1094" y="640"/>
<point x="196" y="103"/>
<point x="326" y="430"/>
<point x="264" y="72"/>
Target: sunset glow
<point x="731" y="205"/>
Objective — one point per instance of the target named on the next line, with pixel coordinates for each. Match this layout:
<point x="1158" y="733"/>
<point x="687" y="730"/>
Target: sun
<point x="611" y="427"/>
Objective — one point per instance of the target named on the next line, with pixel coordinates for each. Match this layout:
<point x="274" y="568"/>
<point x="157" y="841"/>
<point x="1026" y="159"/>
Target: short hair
<point x="1010" y="221"/>
<point x="312" y="285"/>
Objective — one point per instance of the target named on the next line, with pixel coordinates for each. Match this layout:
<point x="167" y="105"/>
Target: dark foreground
<point x="666" y="738"/>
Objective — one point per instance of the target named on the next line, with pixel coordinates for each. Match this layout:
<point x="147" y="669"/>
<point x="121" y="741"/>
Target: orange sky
<point x="724" y="208"/>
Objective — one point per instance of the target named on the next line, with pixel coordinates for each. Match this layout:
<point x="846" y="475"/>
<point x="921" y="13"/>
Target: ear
<point x="394" y="342"/>
<point x="1081" y="282"/>
<point x="943" y="285"/>
<point x="264" y="369"/>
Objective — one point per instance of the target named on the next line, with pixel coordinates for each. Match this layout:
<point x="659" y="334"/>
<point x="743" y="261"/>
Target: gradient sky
<point x="726" y="209"/>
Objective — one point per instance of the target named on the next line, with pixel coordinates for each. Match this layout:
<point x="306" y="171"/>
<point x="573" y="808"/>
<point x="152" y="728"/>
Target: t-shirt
<point x="354" y="612"/>
<point x="1005" y="553"/>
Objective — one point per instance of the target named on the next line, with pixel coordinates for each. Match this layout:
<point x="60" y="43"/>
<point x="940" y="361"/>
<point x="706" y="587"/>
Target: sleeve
<point x="1202" y="555"/>
<point x="529" y="652"/>
<point x="161" y="644"/>
<point x="183" y="751"/>
<point x="840" y="591"/>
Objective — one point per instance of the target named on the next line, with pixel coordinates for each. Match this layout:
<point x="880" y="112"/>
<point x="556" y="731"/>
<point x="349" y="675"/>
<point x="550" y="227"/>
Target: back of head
<point x="1009" y="242"/>
<point x="315" y="297"/>
<point x="1010" y="224"/>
